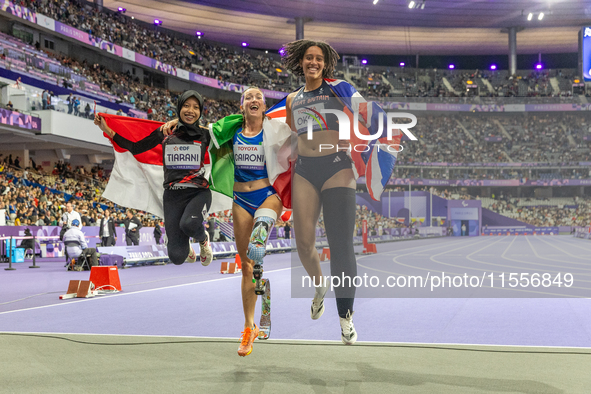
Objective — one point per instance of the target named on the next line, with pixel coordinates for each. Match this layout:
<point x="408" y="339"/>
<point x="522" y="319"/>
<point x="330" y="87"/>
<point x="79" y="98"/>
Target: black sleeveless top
<point x="306" y="106"/>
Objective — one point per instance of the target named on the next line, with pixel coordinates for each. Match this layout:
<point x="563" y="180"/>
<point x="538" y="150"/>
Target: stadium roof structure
<point x="441" y="27"/>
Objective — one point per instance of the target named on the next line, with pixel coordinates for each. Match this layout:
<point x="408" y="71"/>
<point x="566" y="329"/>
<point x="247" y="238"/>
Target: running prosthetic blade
<point x="265" y="323"/>
<point x="257" y="274"/>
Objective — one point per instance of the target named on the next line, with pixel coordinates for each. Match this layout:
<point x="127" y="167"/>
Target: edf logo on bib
<point x="183" y="157"/>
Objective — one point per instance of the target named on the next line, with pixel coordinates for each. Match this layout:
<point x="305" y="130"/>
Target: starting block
<point x="231" y="268"/>
<point x="79" y="289"/>
<point x="224" y="267"/>
<point x="369" y="248"/>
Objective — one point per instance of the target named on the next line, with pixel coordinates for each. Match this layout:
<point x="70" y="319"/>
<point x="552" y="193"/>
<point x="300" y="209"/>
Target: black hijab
<point x="191" y="129"/>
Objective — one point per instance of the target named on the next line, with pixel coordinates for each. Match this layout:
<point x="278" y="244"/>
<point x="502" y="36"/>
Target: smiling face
<point x="313" y="63"/>
<point x="190" y="111"/>
<point x="253" y="104"/>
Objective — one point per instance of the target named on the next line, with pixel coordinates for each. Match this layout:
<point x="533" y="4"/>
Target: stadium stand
<point x="479" y="138"/>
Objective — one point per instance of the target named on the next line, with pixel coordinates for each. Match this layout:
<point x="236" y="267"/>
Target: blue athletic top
<point x="249" y="157"/>
<point x="308" y="105"/>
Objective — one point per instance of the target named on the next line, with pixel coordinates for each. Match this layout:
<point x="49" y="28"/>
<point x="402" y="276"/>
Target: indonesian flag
<point x="136" y="181"/>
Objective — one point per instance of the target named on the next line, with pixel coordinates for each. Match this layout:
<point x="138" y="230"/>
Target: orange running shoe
<point x="248" y="337"/>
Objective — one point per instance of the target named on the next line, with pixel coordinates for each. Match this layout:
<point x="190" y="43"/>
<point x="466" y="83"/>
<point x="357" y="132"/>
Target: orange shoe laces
<point x="246" y="336"/>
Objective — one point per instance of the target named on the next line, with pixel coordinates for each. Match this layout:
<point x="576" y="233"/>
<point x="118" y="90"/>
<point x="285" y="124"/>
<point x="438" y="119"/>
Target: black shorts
<point x="318" y="170"/>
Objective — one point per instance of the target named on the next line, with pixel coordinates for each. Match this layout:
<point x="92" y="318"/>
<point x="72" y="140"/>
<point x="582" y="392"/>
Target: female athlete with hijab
<point x="187" y="196"/>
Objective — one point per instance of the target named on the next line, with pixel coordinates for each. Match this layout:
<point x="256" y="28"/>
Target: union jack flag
<point x="376" y="160"/>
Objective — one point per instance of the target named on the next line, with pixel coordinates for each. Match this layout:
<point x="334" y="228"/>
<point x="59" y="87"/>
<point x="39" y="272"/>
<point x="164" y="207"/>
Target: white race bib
<point x="249" y="157"/>
<point x="183" y="156"/>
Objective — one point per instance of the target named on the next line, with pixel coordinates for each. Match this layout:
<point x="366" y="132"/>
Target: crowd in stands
<point x="193" y="54"/>
<point x="500" y="173"/>
<point x="238" y="66"/>
<point x="540" y="137"/>
<point x="534" y="137"/>
<point x="230" y="66"/>
<point x="376" y="223"/>
<point x="429" y="83"/>
<point x="159" y="104"/>
<point x="575" y="212"/>
<point x="578" y="213"/>
<point x="33" y="198"/>
<point x="36" y="198"/>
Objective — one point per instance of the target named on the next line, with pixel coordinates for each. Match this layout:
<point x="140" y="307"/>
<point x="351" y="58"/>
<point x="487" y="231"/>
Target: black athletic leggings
<point x="338" y="205"/>
<point x="184" y="211"/>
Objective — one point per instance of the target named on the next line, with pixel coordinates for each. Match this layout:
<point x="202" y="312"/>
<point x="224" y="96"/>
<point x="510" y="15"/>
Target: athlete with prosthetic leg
<point x="264" y="220"/>
<point x="250" y="162"/>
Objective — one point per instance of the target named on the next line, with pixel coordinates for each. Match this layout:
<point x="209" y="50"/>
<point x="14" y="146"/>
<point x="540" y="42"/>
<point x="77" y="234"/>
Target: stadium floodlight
<point x="451" y="66"/>
<point x="493" y="66"/>
<point x="530" y="16"/>
<point x="244" y="44"/>
<point x="539" y="66"/>
<point x="375" y="2"/>
<point x="364" y="62"/>
<point x="402" y="64"/>
<point x="411" y="4"/>
<point x="541" y="16"/>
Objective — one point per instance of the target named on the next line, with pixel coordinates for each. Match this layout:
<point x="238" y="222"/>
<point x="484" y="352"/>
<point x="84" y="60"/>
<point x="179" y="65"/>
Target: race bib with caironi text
<point x="249" y="157"/>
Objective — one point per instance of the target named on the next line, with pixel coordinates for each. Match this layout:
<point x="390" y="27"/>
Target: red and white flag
<point x="136" y="181"/>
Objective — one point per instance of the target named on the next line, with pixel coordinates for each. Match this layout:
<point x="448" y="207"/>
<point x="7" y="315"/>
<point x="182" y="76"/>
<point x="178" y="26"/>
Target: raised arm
<point x="143" y="145"/>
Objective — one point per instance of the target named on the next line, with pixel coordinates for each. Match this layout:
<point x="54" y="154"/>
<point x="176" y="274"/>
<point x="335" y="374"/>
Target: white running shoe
<point x="317" y="308"/>
<point x="206" y="254"/>
<point x="348" y="333"/>
<point x="192" y="255"/>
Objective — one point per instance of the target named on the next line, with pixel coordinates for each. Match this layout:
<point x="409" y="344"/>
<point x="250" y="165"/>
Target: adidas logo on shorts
<point x="336" y="159"/>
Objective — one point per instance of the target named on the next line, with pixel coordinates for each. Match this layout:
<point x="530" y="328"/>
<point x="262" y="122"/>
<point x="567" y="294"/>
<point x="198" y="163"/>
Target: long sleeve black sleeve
<point x="143" y="145"/>
<point x="138" y="222"/>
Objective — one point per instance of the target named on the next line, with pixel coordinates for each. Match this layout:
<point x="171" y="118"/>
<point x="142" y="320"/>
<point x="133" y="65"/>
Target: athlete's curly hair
<point x="294" y="51"/>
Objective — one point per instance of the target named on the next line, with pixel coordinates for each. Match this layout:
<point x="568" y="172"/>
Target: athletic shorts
<point x="251" y="201"/>
<point x="318" y="170"/>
